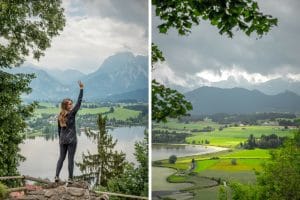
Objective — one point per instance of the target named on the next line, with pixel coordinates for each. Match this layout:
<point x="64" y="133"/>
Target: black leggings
<point x="71" y="148"/>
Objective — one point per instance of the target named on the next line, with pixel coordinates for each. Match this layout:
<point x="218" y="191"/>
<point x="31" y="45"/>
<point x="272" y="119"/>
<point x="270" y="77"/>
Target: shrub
<point x="223" y="193"/>
<point x="157" y="162"/>
<point x="172" y="159"/>
<point x="233" y="161"/>
<point x="3" y="191"/>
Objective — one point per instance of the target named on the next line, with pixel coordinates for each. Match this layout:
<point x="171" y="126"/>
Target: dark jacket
<point x="67" y="134"/>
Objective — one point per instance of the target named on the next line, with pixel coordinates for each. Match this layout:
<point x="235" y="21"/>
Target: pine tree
<point x="106" y="163"/>
<point x="134" y="180"/>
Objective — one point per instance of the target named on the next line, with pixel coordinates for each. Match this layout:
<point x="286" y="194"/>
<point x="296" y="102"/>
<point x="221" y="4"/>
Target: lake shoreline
<point x="37" y="149"/>
<point x="212" y="149"/>
<point x="179" y="186"/>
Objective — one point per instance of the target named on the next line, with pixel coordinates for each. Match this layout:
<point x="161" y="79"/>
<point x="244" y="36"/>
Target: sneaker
<point x="70" y="180"/>
<point x="57" y="179"/>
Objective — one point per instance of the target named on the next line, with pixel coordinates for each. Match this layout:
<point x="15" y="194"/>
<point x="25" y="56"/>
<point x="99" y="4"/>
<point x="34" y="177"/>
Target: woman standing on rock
<point x="67" y="133"/>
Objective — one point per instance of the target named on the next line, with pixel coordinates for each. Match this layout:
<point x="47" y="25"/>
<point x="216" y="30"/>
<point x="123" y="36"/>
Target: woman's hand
<point x="80" y="85"/>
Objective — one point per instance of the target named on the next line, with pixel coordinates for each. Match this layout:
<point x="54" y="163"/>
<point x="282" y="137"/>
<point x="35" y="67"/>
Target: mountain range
<point x="210" y="100"/>
<point x="270" y="87"/>
<point x="121" y="76"/>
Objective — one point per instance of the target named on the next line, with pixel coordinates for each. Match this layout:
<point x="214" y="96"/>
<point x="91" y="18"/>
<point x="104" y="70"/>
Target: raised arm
<point x="79" y="100"/>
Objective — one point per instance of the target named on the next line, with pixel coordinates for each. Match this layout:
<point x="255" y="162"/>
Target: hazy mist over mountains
<point x="270" y="87"/>
<point x="241" y="96"/>
<point x="211" y="100"/>
<point x="121" y="76"/>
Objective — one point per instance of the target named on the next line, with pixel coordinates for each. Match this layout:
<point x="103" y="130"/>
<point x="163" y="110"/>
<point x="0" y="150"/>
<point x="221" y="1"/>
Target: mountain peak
<point x="122" y="61"/>
<point x="120" y="57"/>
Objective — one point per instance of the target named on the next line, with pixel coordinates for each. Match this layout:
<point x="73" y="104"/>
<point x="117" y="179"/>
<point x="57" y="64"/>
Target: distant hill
<point x="45" y="86"/>
<point x="140" y="95"/>
<point x="275" y="86"/>
<point x="122" y="74"/>
<point x="271" y="87"/>
<point x="210" y="100"/>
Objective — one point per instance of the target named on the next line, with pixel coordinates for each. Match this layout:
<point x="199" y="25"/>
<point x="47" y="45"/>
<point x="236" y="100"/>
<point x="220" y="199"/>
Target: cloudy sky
<point x="95" y="30"/>
<point x="205" y="57"/>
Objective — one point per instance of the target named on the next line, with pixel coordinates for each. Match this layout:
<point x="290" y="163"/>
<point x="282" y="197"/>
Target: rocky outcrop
<point x="75" y="191"/>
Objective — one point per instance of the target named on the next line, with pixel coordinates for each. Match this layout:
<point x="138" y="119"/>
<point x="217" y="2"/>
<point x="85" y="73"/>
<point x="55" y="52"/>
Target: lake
<point x="160" y="183"/>
<point x="42" y="155"/>
<point x="164" y="151"/>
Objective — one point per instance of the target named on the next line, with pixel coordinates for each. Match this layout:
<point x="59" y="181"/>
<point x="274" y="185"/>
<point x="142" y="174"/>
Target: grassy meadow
<point x="227" y="137"/>
<point x="212" y="170"/>
<point x="119" y="113"/>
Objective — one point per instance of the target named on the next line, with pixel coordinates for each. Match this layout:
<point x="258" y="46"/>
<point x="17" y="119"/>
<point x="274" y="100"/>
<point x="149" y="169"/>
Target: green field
<point x="215" y="168"/>
<point x="205" y="164"/>
<point x="227" y="137"/>
<point x="119" y="112"/>
<point x="233" y="136"/>
<point x="242" y="165"/>
<point x="219" y="167"/>
<point x="253" y="153"/>
<point x="123" y="113"/>
<point x="246" y="160"/>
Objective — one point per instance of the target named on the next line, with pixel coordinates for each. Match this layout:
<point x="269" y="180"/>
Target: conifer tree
<point x="106" y="163"/>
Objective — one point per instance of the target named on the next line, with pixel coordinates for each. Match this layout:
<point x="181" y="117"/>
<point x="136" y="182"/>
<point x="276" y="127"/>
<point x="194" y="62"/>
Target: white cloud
<point x="87" y="41"/>
<point x="293" y="77"/>
<point x="237" y="73"/>
<point x="164" y="74"/>
<point x="234" y="76"/>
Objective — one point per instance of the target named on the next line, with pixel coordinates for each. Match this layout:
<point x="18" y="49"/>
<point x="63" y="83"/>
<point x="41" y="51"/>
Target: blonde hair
<point x="63" y="112"/>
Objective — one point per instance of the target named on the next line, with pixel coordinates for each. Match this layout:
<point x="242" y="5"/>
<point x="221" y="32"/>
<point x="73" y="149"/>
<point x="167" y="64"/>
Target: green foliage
<point x="134" y="180"/>
<point x="106" y="163"/>
<point x="157" y="55"/>
<point x="244" y="192"/>
<point x="225" y="15"/>
<point x="223" y="193"/>
<point x="165" y="136"/>
<point x="266" y="141"/>
<point x="234" y="161"/>
<point x="12" y="121"/>
<point x="280" y="177"/>
<point x="111" y="110"/>
<point x="167" y="102"/>
<point x="142" y="155"/>
<point x="157" y="163"/>
<point x="172" y="159"/>
<point x="27" y="27"/>
<point x="3" y="191"/>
